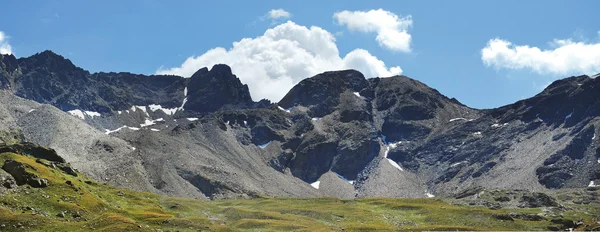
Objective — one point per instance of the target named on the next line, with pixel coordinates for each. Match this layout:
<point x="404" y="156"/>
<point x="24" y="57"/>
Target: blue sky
<point x="444" y="50"/>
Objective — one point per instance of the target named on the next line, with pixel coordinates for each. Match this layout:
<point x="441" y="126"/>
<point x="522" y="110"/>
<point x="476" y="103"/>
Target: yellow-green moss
<point x="106" y="208"/>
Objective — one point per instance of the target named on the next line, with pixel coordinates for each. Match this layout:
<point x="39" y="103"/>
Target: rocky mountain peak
<point x="403" y="90"/>
<point x="323" y="90"/>
<point x="8" y="63"/>
<point x="50" y="61"/>
<point x="8" y="67"/>
<point x="216" y="89"/>
<point x="567" y="101"/>
<point x="221" y="70"/>
<point x="201" y="72"/>
<point x="411" y="110"/>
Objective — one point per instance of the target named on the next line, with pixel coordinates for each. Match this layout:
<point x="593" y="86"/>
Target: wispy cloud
<point x="276" y="16"/>
<point x="390" y="28"/>
<point x="279" y="14"/>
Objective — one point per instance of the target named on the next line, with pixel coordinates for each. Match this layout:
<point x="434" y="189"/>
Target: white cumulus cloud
<point x="278" y="14"/>
<point x="271" y="64"/>
<point x="5" y="48"/>
<point x="565" y="58"/>
<point x="390" y="28"/>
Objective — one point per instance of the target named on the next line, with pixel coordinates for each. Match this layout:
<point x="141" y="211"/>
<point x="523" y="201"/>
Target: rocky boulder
<point x="19" y="172"/>
<point x="536" y="200"/>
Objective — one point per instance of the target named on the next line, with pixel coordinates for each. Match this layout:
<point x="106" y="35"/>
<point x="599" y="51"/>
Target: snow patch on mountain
<point x="456" y="119"/>
<point x="77" y="113"/>
<point x="147" y="122"/>
<point x="169" y="111"/>
<point x="390" y="145"/>
<point x="113" y="131"/>
<point x="456" y="164"/>
<point x="316" y="184"/>
<point x="154" y="107"/>
<point x="394" y="145"/>
<point x="92" y="114"/>
<point x="393" y="163"/>
<point x="264" y="145"/>
<point x="496" y="125"/>
<point x="142" y="108"/>
<point x="288" y="110"/>
<point x="387" y="150"/>
<point x="183" y="104"/>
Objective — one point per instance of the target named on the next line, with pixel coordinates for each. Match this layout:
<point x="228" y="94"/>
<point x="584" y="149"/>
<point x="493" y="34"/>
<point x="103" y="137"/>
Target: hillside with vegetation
<point x="46" y="194"/>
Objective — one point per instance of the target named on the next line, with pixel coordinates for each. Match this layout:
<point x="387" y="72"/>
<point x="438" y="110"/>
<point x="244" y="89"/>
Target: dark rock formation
<point x="536" y="200"/>
<point x="216" y="89"/>
<point x="22" y="176"/>
<point x="50" y="78"/>
<point x="34" y="150"/>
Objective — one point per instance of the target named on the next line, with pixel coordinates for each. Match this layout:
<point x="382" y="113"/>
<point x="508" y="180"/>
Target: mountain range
<point x="334" y="134"/>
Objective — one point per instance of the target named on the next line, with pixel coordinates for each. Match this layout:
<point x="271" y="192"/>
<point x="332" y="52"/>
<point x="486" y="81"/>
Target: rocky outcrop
<point x="34" y="150"/>
<point x="536" y="200"/>
<point x="7" y="181"/>
<point x="19" y="172"/>
<point x="217" y="89"/>
<point x="556" y="171"/>
<point x="350" y="116"/>
<point x="9" y="68"/>
<point x="321" y="93"/>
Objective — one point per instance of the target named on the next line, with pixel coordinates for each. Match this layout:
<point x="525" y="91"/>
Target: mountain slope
<point x="71" y="201"/>
<point x="336" y="134"/>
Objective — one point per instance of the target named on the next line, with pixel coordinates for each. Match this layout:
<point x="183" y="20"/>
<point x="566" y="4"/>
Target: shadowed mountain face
<point x="336" y="134"/>
<point x="212" y="90"/>
<point x="50" y="78"/>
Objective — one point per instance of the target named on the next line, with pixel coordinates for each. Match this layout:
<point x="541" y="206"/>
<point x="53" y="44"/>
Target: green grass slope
<point x="78" y="203"/>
